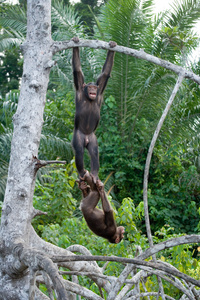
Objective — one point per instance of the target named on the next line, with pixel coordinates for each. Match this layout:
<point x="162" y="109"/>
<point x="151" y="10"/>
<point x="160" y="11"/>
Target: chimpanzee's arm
<point x="107" y="209"/>
<point x="105" y="203"/>
<point x="107" y="68"/>
<point x="105" y="75"/>
<point x="77" y="71"/>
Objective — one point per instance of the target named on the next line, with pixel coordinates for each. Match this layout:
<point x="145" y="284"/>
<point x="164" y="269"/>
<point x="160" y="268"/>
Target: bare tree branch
<point x="149" y="155"/>
<point x="134" y="261"/>
<point x="147" y="167"/>
<point x="52" y="250"/>
<point x="174" y="281"/>
<point x="111" y="279"/>
<point x="135" y="297"/>
<point x="80" y="290"/>
<point x="134" y="280"/>
<point x="120" y="281"/>
<point x="83" y="250"/>
<point x="96" y="44"/>
<point x="39" y="295"/>
<point x="48" y="284"/>
<point x="185" y="239"/>
<point x="43" y="163"/>
<point x="75" y="288"/>
<point x="37" y="261"/>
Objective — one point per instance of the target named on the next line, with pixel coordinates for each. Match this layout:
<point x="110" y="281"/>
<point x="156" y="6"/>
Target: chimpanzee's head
<point x="91" y="90"/>
<point x="118" y="236"/>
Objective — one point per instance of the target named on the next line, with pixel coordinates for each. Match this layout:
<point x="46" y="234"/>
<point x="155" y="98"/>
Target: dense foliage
<point x="134" y="100"/>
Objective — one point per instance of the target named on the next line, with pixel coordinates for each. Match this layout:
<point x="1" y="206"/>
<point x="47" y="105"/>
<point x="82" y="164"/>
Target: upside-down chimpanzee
<point x="101" y="222"/>
<point x="89" y="98"/>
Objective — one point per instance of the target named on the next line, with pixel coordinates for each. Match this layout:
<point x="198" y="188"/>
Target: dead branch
<point x="83" y="250"/>
<point x="52" y="250"/>
<point x="149" y="155"/>
<point x="80" y="290"/>
<point x="134" y="280"/>
<point x="43" y="163"/>
<point x="138" y="262"/>
<point x="147" y="167"/>
<point x="135" y="297"/>
<point x="96" y="44"/>
<point x="39" y="295"/>
<point x="186" y="239"/>
<point x="73" y="288"/>
<point x="173" y="281"/>
<point x="36" y="260"/>
<point x="111" y="279"/>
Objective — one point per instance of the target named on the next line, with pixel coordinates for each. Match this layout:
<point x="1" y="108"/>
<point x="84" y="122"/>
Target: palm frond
<point x="147" y="7"/>
<point x="9" y="107"/>
<point x="184" y="14"/>
<point x="9" y="39"/>
<point x="5" y="144"/>
<point x="65" y="21"/>
<point x="52" y="147"/>
<point x="3" y="177"/>
<point x="10" y="102"/>
<point x="14" y="17"/>
<point x="13" y="22"/>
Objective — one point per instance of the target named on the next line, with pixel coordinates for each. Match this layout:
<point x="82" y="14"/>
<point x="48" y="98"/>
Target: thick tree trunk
<point x="18" y="209"/>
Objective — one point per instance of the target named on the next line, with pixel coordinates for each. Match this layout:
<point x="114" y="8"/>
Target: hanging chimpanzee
<point x="89" y="98"/>
<point x="101" y="222"/>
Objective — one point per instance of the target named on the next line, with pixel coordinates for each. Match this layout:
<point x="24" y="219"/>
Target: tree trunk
<point x="18" y="208"/>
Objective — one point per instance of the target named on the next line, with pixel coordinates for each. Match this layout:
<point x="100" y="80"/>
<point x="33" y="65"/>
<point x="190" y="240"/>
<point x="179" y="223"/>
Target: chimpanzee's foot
<point x="94" y="177"/>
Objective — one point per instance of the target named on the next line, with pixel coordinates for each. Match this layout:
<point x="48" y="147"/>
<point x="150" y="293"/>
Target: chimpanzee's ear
<point x="84" y="84"/>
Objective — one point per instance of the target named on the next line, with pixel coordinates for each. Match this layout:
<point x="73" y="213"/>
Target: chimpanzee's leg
<point x="78" y="145"/>
<point x="94" y="154"/>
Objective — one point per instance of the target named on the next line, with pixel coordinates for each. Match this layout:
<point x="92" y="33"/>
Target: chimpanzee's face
<point x="91" y="91"/>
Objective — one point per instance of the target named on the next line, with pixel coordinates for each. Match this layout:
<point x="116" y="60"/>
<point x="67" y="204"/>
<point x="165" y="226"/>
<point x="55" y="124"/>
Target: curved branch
<point x="119" y="282"/>
<point x="37" y="261"/>
<point x="76" y="288"/>
<point x="134" y="280"/>
<point x="186" y="239"/>
<point x="40" y="296"/>
<point x="83" y="250"/>
<point x="147" y="167"/>
<point x="175" y="282"/>
<point x="52" y="250"/>
<point x="96" y="44"/>
<point x="80" y="290"/>
<point x="135" y="297"/>
<point x="133" y="261"/>
<point x="149" y="155"/>
<point x="77" y="273"/>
